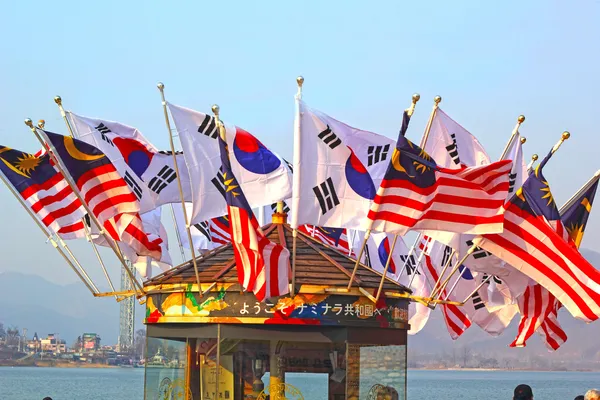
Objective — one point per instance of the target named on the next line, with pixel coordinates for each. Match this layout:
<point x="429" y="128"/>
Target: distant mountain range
<point x="29" y="301"/>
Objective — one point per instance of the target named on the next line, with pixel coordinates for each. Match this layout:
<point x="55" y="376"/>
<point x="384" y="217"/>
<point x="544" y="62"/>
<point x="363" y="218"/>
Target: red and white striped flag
<point x="105" y="192"/>
<point x="538" y="248"/>
<point x="220" y="230"/>
<point x="44" y="190"/>
<point x="535" y="305"/>
<point x="417" y="194"/>
<point x="456" y="319"/>
<point x="262" y="266"/>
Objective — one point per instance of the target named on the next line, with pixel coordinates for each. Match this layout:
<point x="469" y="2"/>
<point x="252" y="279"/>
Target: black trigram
<point x="453" y="150"/>
<point x="479" y="252"/>
<point x="103" y="129"/>
<point x="170" y="153"/>
<point x="512" y="179"/>
<point x="477" y="302"/>
<point x="326" y="195"/>
<point x="162" y="179"/>
<point x="411" y="264"/>
<point x="219" y="182"/>
<point x="290" y="165"/>
<point x="377" y="154"/>
<point x="367" y="261"/>
<point x="494" y="278"/>
<point x="208" y="127"/>
<point x="286" y="208"/>
<point x="446" y="256"/>
<point x="87" y="220"/>
<point x="204" y="229"/>
<point x="330" y="138"/>
<point x="137" y="190"/>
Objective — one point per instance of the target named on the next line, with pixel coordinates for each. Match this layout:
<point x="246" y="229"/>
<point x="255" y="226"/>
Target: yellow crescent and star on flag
<point x="23" y="165"/>
<point x="420" y="167"/>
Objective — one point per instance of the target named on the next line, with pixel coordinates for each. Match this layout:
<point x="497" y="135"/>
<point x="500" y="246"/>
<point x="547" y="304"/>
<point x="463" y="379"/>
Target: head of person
<point x="523" y="392"/>
<point x="592" y="394"/>
<point x="47" y="398"/>
<point x="580" y="397"/>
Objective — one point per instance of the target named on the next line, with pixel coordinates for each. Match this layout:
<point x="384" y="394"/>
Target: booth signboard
<point x="235" y="307"/>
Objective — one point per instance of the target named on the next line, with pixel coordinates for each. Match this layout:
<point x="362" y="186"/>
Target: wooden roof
<point x="316" y="264"/>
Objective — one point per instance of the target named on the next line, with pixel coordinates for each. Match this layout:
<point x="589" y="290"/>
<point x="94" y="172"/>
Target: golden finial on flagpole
<point x="411" y="109"/>
<point x="523" y="140"/>
<point x="300" y="80"/>
<point x="41" y="123"/>
<point x="160" y="86"/>
<point x="29" y="122"/>
<point x="534" y="157"/>
<point x="566" y="135"/>
<point x="521" y="119"/>
<point x="437" y="100"/>
<point x="215" y="109"/>
<point x="58" y="100"/>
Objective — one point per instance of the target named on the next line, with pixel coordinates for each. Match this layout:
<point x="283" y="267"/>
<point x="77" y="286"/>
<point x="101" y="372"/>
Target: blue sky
<point x="490" y="61"/>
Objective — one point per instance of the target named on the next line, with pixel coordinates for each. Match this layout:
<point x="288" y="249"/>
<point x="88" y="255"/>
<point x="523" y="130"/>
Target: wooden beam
<point x="328" y="258"/>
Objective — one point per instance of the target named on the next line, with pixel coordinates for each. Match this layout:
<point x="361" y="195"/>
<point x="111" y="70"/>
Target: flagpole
<point x="514" y="133"/>
<point x="415" y="98"/>
<point x="581" y="190"/>
<point x="60" y="167"/>
<point x="438" y="283"/>
<point x="534" y="158"/>
<point x="63" y="113"/>
<point x="444" y="284"/>
<point x="161" y="88"/>
<point x="177" y="233"/>
<point x="298" y="97"/>
<point x="411" y="109"/>
<point x="436" y="103"/>
<point x="90" y="285"/>
<point x="88" y="237"/>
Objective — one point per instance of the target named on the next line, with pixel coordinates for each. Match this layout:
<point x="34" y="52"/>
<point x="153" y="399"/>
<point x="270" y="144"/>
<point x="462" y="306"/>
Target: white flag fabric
<point x="507" y="283"/>
<point x="149" y="173"/>
<point x="337" y="169"/>
<point x="451" y="145"/>
<point x="201" y="232"/>
<point x="264" y="177"/>
<point x="154" y="228"/>
<point x="404" y="269"/>
<point x="462" y="284"/>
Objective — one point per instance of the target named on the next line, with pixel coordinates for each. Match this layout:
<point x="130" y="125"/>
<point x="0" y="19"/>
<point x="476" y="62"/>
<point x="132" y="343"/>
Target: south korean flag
<point x="337" y="170"/>
<point x="451" y="145"/>
<point x="402" y="268"/>
<point x="149" y="173"/>
<point x="264" y="177"/>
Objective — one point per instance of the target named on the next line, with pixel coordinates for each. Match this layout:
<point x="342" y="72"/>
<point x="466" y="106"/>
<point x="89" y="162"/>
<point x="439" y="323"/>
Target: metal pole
<point x="63" y="113"/>
<point x="89" y="239"/>
<point x="90" y="285"/>
<point x="183" y="259"/>
<point x="161" y="88"/>
<point x="578" y="194"/>
<point x="299" y="82"/>
<point x="59" y="165"/>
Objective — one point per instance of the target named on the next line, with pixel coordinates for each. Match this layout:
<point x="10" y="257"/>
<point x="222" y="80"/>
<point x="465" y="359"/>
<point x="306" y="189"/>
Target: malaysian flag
<point x="104" y="191"/>
<point x="418" y="194"/>
<point x="262" y="266"/>
<point x="45" y="191"/>
<point x="333" y="237"/>
<point x="533" y="242"/>
<point x="574" y="218"/>
<point x="220" y="230"/>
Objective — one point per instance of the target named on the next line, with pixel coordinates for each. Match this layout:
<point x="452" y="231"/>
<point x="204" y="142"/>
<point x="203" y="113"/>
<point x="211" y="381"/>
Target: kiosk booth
<point x="321" y="342"/>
